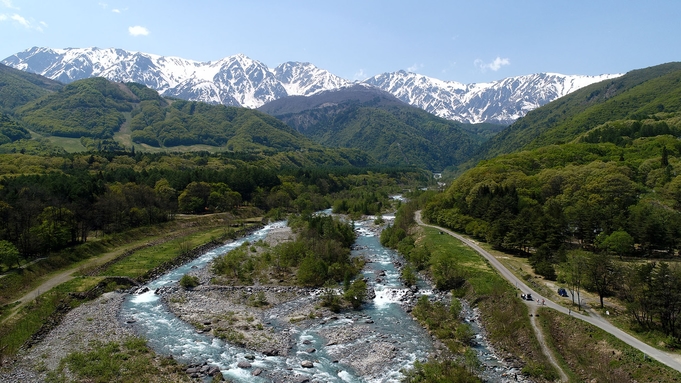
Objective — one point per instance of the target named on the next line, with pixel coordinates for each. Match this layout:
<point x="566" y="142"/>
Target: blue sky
<point x="465" y="41"/>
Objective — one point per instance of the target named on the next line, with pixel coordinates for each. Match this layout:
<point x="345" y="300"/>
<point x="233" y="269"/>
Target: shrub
<point x="189" y="281"/>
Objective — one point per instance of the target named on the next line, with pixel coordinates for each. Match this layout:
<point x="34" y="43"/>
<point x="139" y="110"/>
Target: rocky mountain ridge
<point x="240" y="81"/>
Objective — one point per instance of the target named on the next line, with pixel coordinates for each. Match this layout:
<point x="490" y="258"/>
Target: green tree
<point x="446" y="273"/>
<point x="356" y="293"/>
<point x="9" y="254"/>
<point x="194" y="198"/>
<point x="618" y="242"/>
<point x="312" y="271"/>
<point x="573" y="272"/>
<point x="666" y="296"/>
<point x="601" y="274"/>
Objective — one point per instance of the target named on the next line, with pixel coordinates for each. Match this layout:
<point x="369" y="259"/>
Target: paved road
<point x="671" y="360"/>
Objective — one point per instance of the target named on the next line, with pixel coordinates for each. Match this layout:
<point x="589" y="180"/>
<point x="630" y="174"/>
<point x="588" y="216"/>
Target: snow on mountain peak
<point x="241" y="81"/>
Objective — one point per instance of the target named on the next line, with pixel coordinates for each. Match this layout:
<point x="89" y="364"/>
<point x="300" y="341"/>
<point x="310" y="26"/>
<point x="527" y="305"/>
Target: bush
<point x="408" y="276"/>
<point x="330" y="299"/>
<point x="189" y="281"/>
<point x="446" y="371"/>
<point x="356" y="294"/>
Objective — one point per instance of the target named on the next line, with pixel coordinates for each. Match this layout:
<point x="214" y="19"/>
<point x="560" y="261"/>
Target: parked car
<point x="562" y="292"/>
<point x="527" y="297"/>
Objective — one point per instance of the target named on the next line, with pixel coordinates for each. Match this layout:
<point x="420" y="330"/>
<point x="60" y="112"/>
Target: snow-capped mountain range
<point x="240" y="81"/>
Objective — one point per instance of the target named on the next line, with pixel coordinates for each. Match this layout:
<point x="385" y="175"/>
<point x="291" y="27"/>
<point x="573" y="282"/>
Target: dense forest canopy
<point x="18" y="87"/>
<point x="48" y="203"/>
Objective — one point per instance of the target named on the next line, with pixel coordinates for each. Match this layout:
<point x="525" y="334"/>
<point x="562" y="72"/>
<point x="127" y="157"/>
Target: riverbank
<point x="286" y="333"/>
<point x="275" y="321"/>
<point x="95" y="322"/>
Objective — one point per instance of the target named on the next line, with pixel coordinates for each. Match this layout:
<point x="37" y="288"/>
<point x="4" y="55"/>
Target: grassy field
<point x="131" y="361"/>
<point x="505" y="317"/>
<point x="71" y="145"/>
<point x="148" y="258"/>
<point x="591" y="354"/>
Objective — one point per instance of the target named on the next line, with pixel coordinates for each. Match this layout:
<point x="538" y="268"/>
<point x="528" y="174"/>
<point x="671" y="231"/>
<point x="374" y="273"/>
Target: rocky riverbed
<point x="272" y="321"/>
<point x="95" y="321"/>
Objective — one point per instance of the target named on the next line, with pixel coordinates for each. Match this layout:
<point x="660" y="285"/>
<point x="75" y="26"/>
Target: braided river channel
<point x="389" y="324"/>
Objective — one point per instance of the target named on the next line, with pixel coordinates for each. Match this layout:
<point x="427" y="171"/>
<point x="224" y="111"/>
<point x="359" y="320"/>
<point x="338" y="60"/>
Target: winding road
<point x="670" y="360"/>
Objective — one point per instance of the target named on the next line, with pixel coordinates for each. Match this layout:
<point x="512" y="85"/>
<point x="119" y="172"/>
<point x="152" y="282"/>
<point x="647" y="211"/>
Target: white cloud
<point x="103" y="5"/>
<point x="8" y="4"/>
<point x="414" y="68"/>
<point x="21" y="20"/>
<point x="28" y="24"/>
<point x="116" y="10"/>
<point x="360" y="75"/>
<point x="493" y="66"/>
<point x="138" y="31"/>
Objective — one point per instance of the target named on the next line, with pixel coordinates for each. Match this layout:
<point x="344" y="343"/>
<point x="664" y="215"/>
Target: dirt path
<point x="68" y="274"/>
<point x="22" y="266"/>
<point x="670" y="360"/>
<point x="542" y="341"/>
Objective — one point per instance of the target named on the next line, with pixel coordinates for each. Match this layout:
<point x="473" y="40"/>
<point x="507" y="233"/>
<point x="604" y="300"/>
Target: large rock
<point x="306" y="364"/>
<point x="243" y="364"/>
<point x="213" y="371"/>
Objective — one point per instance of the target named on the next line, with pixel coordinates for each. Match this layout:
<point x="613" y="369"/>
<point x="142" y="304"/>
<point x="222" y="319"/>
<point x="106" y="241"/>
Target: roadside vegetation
<point x="590" y="353"/>
<point x="454" y="267"/>
<point x="597" y="217"/>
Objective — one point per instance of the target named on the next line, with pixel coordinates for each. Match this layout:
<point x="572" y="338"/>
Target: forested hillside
<point x="601" y="185"/>
<point x="48" y="203"/>
<point x="376" y="122"/>
<point x="18" y="87"/>
<point x="635" y="95"/>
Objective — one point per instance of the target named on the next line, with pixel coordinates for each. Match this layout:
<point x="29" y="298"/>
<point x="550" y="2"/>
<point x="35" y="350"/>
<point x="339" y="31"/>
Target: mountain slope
<point x="643" y="91"/>
<point x="500" y="102"/>
<point x="236" y="80"/>
<point x="366" y="118"/>
<point x="240" y="81"/>
<point x="598" y="165"/>
<point x="18" y="87"/>
<point x="97" y="109"/>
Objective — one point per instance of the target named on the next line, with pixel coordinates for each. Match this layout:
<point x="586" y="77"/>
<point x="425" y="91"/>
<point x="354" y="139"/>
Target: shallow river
<point x="168" y="335"/>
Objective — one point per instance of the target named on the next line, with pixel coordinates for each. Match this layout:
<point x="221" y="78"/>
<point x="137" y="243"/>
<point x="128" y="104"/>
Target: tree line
<point x="60" y="201"/>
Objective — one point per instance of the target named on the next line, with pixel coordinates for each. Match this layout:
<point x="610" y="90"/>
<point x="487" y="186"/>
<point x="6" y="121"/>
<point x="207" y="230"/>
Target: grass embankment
<point x="131" y="361"/>
<point x="36" y="313"/>
<point x="171" y="240"/>
<point x="148" y="258"/>
<point x="591" y="354"/>
<point x="505" y="317"/>
<point x="19" y="282"/>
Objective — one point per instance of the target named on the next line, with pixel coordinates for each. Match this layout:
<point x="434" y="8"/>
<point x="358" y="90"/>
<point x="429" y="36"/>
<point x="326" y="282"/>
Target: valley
<point x="165" y="224"/>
